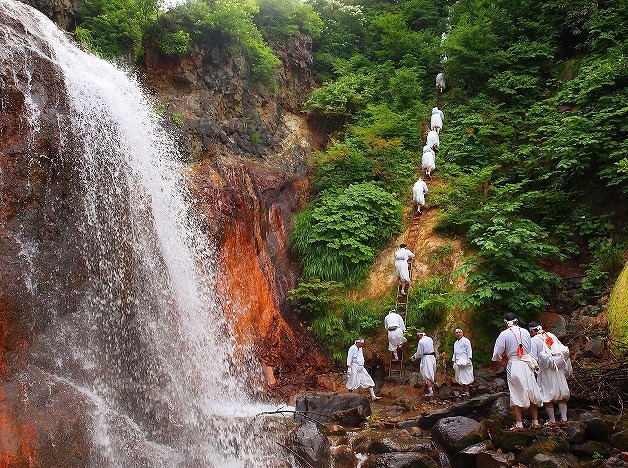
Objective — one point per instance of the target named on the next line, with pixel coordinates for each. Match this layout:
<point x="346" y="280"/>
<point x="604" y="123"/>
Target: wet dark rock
<point x="562" y="460"/>
<point x="468" y="456"/>
<point x="590" y="447"/>
<point x="346" y="409"/>
<point x="446" y="393"/>
<point x="457" y="433"/>
<point x="492" y="459"/>
<point x="615" y="462"/>
<point x="372" y="442"/>
<point x="594" y="347"/>
<point x="267" y="462"/>
<point x="477" y="404"/>
<point x="399" y="460"/>
<point x="544" y="445"/>
<point x="620" y="440"/>
<point x="501" y="412"/>
<point x="509" y="440"/>
<point x="596" y="425"/>
<point x="408" y="424"/>
<point x="343" y="457"/>
<point x="309" y="443"/>
<point x="575" y="432"/>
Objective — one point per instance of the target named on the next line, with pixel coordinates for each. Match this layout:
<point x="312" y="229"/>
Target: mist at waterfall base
<point x="145" y="344"/>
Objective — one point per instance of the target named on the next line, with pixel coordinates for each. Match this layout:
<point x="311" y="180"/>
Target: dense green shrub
<point x="279" y="20"/>
<point x="339" y="237"/>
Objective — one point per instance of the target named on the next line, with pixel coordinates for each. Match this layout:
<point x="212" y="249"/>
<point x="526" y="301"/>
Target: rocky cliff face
<point x="250" y="147"/>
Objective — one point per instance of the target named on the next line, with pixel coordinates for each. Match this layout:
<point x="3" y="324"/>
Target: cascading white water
<point x="146" y="343"/>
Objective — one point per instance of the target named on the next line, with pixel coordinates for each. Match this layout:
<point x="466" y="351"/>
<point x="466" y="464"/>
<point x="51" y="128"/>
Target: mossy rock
<point x="618" y="311"/>
<point x="546" y="446"/>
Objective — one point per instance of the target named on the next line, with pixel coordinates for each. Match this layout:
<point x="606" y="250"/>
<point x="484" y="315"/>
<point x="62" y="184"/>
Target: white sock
<point x="372" y="392"/>
<point x="535" y="422"/>
<point x="395" y="355"/>
<point x="550" y="414"/>
<point x="430" y="391"/>
<point x="562" y="407"/>
<point x="519" y="424"/>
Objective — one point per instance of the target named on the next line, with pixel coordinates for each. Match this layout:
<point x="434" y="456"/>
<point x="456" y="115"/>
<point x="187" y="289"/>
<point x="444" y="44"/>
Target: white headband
<point x="458" y="330"/>
<point x="537" y="328"/>
<point x="359" y="340"/>
<point x="511" y="323"/>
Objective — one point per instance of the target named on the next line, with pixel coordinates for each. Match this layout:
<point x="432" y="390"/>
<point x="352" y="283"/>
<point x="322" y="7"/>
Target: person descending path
<point x="357" y="376"/>
<point x="425" y="352"/>
<point x="436" y="121"/>
<point x="461" y="358"/>
<point x="402" y="255"/>
<point x="428" y="160"/>
<point x="419" y="190"/>
<point x="513" y="345"/>
<point x="393" y="322"/>
<point x="440" y="83"/>
<point x="554" y="364"/>
<point x="433" y="141"/>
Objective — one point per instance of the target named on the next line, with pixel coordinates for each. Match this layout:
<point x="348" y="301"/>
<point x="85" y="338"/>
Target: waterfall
<point x="141" y="338"/>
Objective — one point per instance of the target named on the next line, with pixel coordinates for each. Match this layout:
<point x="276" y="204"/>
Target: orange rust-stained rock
<point x="248" y="207"/>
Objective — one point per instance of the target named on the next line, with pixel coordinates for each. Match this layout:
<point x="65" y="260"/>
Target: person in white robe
<point x="436" y="121"/>
<point x="357" y="376"/>
<point x="402" y="255"/>
<point x="440" y="82"/>
<point x="419" y="190"/>
<point x="425" y="352"/>
<point x="428" y="160"/>
<point x="513" y="344"/>
<point x="393" y="323"/>
<point x="553" y="359"/>
<point x="433" y="140"/>
<point x="463" y="368"/>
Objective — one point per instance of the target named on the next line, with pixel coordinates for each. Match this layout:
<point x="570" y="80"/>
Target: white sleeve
<point x="410" y="254"/>
<point x="350" y="357"/>
<point x="500" y="347"/>
<point x="469" y="349"/>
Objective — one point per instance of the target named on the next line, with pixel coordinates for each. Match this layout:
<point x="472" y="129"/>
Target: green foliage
<point x="112" y="28"/>
<point x="315" y="298"/>
<point x="200" y="22"/>
<point x="608" y="259"/>
<point x="428" y="301"/>
<point x="177" y="119"/>
<point x="338" y="238"/>
<point x="279" y="20"/>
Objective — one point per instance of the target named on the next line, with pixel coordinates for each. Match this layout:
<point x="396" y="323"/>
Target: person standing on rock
<point x="419" y="190"/>
<point x="436" y="121"/>
<point x="428" y="160"/>
<point x="553" y="358"/>
<point x="425" y="352"/>
<point x="440" y="82"/>
<point x="463" y="367"/>
<point x="513" y="344"/>
<point x="402" y="255"/>
<point x="393" y="322"/>
<point x="357" y="376"/>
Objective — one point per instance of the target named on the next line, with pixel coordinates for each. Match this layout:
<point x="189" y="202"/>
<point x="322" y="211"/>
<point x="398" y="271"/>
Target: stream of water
<point x="146" y="344"/>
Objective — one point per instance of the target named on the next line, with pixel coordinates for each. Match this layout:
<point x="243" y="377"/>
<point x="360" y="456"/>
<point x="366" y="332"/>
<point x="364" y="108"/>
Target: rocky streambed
<point x="403" y="430"/>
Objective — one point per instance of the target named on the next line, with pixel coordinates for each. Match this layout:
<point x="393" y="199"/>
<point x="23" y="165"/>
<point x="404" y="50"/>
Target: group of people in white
<point x="537" y="367"/>
<point x="428" y="160"/>
<point x="425" y="352"/>
<point x="537" y="363"/>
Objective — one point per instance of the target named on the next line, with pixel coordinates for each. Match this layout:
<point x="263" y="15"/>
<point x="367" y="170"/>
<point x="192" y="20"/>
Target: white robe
<point x="419" y="190"/>
<point x="401" y="264"/>
<point x="521" y="382"/>
<point x="358" y="376"/>
<point x="552" y="381"/>
<point x="395" y="337"/>
<point x="432" y="139"/>
<point x="428" y="362"/>
<point x="440" y="81"/>
<point x="463" y="351"/>
<point x="428" y="160"/>
<point x="437" y="118"/>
